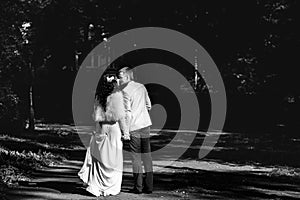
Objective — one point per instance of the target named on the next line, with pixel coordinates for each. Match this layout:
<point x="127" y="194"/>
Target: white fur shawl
<point x="117" y="109"/>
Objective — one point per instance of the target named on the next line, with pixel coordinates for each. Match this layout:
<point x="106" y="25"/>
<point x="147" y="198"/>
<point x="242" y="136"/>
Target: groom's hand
<point x="126" y="137"/>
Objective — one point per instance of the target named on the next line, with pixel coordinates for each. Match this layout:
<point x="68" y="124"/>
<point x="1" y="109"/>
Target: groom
<point x="139" y="131"/>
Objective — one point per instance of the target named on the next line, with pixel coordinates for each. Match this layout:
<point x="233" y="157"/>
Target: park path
<point x="61" y="182"/>
<point x="215" y="177"/>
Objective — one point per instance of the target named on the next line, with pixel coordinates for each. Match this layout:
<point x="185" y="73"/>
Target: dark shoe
<point x="147" y="191"/>
<point x="135" y="191"/>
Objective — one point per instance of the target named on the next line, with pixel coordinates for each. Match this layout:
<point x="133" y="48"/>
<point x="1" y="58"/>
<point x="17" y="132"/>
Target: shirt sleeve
<point x="147" y="99"/>
<point x="125" y="121"/>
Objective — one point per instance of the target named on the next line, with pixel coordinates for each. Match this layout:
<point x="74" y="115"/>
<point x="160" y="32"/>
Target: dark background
<point x="254" y="43"/>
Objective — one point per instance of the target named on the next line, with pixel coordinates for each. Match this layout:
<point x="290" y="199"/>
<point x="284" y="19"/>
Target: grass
<point x="21" y="153"/>
<point x="16" y="166"/>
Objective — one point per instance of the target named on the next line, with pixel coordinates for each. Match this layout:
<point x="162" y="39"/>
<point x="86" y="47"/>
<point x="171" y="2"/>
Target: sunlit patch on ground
<point x="257" y="166"/>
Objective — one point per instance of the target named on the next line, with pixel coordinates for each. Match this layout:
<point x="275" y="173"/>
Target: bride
<point x="103" y="164"/>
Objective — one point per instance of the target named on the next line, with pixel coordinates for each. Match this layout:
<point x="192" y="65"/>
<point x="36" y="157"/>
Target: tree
<point x="20" y="48"/>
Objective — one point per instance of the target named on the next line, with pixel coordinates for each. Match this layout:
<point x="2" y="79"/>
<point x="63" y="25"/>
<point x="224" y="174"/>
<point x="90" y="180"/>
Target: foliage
<point x="18" y="34"/>
<point x="16" y="166"/>
<point x="285" y="171"/>
<point x="20" y="52"/>
<point x="10" y="175"/>
<point x="254" y="43"/>
<point x="10" y="116"/>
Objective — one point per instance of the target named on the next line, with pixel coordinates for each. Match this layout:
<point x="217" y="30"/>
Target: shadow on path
<point x="227" y="172"/>
<point x="61" y="182"/>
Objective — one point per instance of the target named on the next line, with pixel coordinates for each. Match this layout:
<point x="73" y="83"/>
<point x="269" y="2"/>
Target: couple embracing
<point x="121" y="114"/>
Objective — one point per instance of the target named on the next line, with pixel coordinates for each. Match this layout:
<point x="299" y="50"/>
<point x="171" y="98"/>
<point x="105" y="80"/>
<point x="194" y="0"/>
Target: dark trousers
<point x="141" y="151"/>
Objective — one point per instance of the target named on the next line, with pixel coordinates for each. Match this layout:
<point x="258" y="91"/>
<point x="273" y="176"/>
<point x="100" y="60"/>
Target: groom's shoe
<point x="147" y="191"/>
<point x="135" y="191"/>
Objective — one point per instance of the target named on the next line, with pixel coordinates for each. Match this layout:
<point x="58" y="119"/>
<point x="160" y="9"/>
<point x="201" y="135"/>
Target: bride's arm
<point x="98" y="114"/>
<point x="118" y="109"/>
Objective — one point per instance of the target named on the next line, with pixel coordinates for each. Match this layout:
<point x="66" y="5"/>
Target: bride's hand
<point x="126" y="136"/>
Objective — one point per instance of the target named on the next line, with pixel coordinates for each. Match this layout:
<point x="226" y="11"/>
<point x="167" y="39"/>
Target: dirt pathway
<point x="182" y="180"/>
<point x="237" y="168"/>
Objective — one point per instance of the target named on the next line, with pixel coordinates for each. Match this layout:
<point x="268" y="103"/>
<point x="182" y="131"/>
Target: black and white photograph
<point x="140" y="99"/>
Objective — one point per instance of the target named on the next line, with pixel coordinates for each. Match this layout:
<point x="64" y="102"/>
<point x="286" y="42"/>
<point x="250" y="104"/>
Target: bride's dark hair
<point x="104" y="89"/>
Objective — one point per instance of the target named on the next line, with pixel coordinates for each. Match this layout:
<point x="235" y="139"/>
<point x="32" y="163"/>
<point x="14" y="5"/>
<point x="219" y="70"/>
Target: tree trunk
<point x="31" y="105"/>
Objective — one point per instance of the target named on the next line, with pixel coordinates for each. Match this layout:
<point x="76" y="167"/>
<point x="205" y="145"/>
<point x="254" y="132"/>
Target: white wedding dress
<point x="103" y="165"/>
